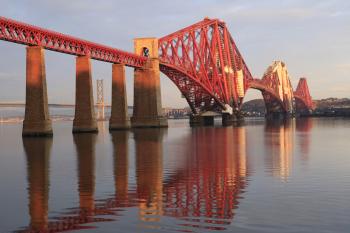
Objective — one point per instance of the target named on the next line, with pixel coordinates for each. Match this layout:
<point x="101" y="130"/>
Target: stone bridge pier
<point x="147" y="95"/>
<point x="84" y="119"/>
<point x="207" y="119"/>
<point x="119" y="113"/>
<point x="37" y="120"/>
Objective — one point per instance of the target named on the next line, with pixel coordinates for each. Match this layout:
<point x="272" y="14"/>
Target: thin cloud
<point x="309" y="35"/>
<point x="343" y="66"/>
<point x="8" y="76"/>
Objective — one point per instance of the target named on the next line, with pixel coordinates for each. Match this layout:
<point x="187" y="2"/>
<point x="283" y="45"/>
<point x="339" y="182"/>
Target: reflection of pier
<point x="203" y="193"/>
<point x="303" y="127"/>
<point x="38" y="156"/>
<point x="85" y="146"/>
<point x="280" y="141"/>
<point x="149" y="173"/>
<point x="37" y="153"/>
<point x="121" y="164"/>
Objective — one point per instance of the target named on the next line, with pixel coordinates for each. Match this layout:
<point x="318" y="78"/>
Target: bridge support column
<point x="195" y="120"/>
<point x="198" y="120"/>
<point x="119" y="114"/>
<point x="37" y="119"/>
<point x="228" y="119"/>
<point x="147" y="97"/>
<point x="278" y="115"/>
<point x="84" y="119"/>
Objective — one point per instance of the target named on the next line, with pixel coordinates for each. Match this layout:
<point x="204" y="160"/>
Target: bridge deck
<point x="22" y="33"/>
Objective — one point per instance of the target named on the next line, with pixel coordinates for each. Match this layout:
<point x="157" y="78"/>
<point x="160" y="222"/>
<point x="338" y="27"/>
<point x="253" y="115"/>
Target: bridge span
<point x="202" y="60"/>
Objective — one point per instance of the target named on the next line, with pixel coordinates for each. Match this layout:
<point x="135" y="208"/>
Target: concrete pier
<point x="278" y="115"/>
<point x="37" y="118"/>
<point x="195" y="120"/>
<point x="119" y="112"/>
<point x="85" y="119"/>
<point x="200" y="120"/>
<point x="228" y="119"/>
<point x="147" y="95"/>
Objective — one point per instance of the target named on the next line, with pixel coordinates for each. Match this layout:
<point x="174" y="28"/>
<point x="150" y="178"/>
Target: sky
<point x="312" y="37"/>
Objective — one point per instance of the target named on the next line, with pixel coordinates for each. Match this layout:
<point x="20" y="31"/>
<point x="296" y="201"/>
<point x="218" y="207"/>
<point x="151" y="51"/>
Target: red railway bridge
<point x="202" y="60"/>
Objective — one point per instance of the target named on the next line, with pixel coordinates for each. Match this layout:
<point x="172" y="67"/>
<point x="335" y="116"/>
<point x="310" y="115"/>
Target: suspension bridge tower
<point x="100" y="100"/>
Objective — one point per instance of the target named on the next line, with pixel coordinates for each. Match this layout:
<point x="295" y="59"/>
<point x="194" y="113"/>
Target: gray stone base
<point x="84" y="130"/>
<point x="119" y="124"/>
<point x="84" y="125"/>
<point x="198" y="120"/>
<point x="279" y="115"/>
<point x="37" y="129"/>
<point x="195" y="120"/>
<point x="228" y="119"/>
<point x="37" y="134"/>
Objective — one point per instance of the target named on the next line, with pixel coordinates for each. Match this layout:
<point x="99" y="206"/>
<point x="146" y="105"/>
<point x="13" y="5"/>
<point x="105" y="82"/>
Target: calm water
<point x="258" y="177"/>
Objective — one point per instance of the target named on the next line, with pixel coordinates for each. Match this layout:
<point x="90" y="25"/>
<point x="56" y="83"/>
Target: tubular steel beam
<point x="205" y="64"/>
<point x="22" y="33"/>
<point x="202" y="60"/>
<point x="302" y="93"/>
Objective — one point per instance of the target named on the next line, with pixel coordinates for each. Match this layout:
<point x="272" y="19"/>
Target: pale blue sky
<point x="312" y="37"/>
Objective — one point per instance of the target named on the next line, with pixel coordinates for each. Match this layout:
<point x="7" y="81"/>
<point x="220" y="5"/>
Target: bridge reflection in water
<point x="38" y="156"/>
<point x="201" y="193"/>
<point x="206" y="191"/>
<point x="149" y="173"/>
<point x="303" y="128"/>
<point x="280" y="138"/>
<point x="120" y="165"/>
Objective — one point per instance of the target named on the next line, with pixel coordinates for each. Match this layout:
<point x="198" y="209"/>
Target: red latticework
<point x="205" y="64"/>
<point x="202" y="60"/>
<point x="17" y="32"/>
<point x="276" y="89"/>
<point x="302" y="95"/>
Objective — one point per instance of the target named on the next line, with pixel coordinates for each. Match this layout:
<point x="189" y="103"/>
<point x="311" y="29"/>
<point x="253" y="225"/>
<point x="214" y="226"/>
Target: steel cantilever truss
<point x="276" y="88"/>
<point x="17" y="32"/>
<point x="202" y="60"/>
<point x="302" y="95"/>
<point x="205" y="64"/>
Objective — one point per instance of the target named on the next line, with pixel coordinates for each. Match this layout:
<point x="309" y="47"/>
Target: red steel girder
<point x="203" y="61"/>
<point x="302" y="93"/>
<point x="267" y="87"/>
<point x="276" y="89"/>
<point x="22" y="33"/>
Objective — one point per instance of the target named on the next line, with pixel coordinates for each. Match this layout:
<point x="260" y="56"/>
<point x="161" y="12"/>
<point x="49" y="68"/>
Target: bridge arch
<point x="276" y="89"/>
<point x="301" y="105"/>
<point x="205" y="58"/>
<point x="303" y="100"/>
<point x="197" y="95"/>
<point x="202" y="60"/>
<point x="267" y="94"/>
